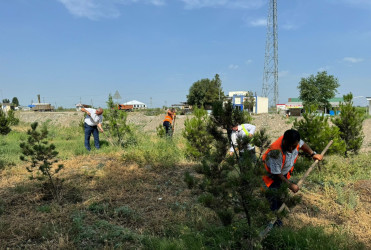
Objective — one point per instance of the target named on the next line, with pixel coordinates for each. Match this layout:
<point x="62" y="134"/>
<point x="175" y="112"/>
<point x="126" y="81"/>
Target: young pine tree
<point x="316" y="131"/>
<point x="115" y="124"/>
<point x="349" y="123"/>
<point x="12" y="119"/>
<point x="231" y="184"/>
<point x="196" y="134"/>
<point x="42" y="157"/>
<point x="4" y="123"/>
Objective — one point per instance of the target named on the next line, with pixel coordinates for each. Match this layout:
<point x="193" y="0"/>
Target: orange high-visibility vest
<point x="168" y="118"/>
<point x="277" y="145"/>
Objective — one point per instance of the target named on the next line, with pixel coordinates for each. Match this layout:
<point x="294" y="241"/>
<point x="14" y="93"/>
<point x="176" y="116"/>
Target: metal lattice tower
<point x="270" y="77"/>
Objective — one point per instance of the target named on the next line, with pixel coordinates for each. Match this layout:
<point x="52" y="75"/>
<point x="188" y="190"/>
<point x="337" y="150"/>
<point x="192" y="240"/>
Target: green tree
<point x="230" y="185"/>
<point x="196" y="134"/>
<point x="4" y="123"/>
<point x="316" y="131"/>
<point x="317" y="90"/>
<point x="115" y="124"/>
<point x="15" y="101"/>
<point x="6" y="101"/>
<point x="205" y="92"/>
<point x="249" y="101"/>
<point x="12" y="119"/>
<point x="42" y="157"/>
<point x="350" y="125"/>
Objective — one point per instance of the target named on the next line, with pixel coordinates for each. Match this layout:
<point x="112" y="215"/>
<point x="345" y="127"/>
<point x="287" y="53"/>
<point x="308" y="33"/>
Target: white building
<point x="260" y="105"/>
<point x="136" y="104"/>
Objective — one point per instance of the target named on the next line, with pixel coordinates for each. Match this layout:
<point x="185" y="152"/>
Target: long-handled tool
<point x="173" y="126"/>
<point x="265" y="232"/>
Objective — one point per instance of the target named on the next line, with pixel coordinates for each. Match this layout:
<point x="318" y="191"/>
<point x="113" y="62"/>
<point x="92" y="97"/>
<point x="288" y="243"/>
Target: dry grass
<point x="321" y="209"/>
<point x="156" y="200"/>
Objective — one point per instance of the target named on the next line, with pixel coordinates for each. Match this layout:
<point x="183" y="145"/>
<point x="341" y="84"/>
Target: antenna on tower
<point x="270" y="77"/>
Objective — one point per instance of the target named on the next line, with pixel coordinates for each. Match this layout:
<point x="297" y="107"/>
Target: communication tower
<point x="270" y="77"/>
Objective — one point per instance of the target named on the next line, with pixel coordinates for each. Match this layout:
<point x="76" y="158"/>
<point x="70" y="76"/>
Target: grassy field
<point x="135" y="198"/>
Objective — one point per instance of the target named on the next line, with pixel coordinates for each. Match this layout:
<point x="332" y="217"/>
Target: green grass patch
<point x="310" y="238"/>
<point x="155" y="152"/>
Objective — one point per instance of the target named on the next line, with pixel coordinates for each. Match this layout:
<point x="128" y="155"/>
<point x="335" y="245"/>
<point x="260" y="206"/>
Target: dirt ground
<point x="275" y="124"/>
<point x="161" y="191"/>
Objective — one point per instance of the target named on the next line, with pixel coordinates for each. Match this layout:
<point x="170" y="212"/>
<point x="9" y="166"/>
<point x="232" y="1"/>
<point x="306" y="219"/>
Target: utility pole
<point x="270" y="75"/>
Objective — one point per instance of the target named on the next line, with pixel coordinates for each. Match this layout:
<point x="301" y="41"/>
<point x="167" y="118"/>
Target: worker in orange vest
<point x="279" y="161"/>
<point x="168" y="121"/>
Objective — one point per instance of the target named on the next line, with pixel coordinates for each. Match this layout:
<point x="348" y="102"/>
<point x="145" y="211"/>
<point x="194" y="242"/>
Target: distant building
<point x="295" y="107"/>
<point x="136" y="104"/>
<point x="260" y="103"/>
<point x="7" y="106"/>
<point x="182" y="106"/>
<point x="369" y="105"/>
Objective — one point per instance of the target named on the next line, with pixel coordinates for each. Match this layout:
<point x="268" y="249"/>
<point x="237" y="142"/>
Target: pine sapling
<point x="231" y="184"/>
<point x="42" y="157"/>
<point x="350" y="125"/>
<point x="115" y="123"/>
<point x="4" y="123"/>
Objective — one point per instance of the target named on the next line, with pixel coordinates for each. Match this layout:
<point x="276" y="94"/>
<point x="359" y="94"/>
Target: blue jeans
<point x="88" y="131"/>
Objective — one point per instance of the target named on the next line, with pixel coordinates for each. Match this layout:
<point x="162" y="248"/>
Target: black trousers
<point x="168" y="128"/>
<point x="273" y="195"/>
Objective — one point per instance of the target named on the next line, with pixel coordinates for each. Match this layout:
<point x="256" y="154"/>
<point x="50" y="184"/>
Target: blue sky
<point x="67" y="50"/>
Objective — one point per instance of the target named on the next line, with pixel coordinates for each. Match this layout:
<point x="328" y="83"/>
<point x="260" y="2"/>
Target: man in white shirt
<point x="240" y="131"/>
<point x="93" y="120"/>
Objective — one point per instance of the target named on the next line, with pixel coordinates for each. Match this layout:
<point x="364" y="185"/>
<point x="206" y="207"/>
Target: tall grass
<point x="310" y="238"/>
<point x="155" y="152"/>
<point x="69" y="142"/>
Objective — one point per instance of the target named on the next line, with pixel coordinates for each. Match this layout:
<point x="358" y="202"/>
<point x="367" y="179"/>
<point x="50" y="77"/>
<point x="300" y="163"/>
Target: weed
<point x="44" y="209"/>
<point x="125" y="212"/>
<point x="98" y="208"/>
<point x="156" y="153"/>
<point x="308" y="237"/>
<point x="2" y="207"/>
<point x="189" y="179"/>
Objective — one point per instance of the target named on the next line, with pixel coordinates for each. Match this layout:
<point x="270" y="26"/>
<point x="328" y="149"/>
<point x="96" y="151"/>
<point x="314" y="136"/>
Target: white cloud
<point x="248" y="61"/>
<point x="325" y="68"/>
<point x="352" y="59"/>
<point x="247" y="4"/>
<point x="289" y="26"/>
<point x="233" y="66"/>
<point x="96" y="9"/>
<point x="283" y="73"/>
<point x="258" y="22"/>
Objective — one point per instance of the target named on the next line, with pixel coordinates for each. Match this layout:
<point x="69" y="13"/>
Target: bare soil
<point x="275" y="124"/>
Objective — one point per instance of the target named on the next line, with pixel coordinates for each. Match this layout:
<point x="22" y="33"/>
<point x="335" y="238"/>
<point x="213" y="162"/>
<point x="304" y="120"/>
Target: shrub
<point x="41" y="156"/>
<point x="115" y="125"/>
<point x="12" y="119"/>
<point x="161" y="132"/>
<point x="349" y="123"/>
<point x="230" y="185"/>
<point x="316" y="132"/>
<point x="159" y="152"/>
<point x="198" y="138"/>
<point x="4" y="123"/>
